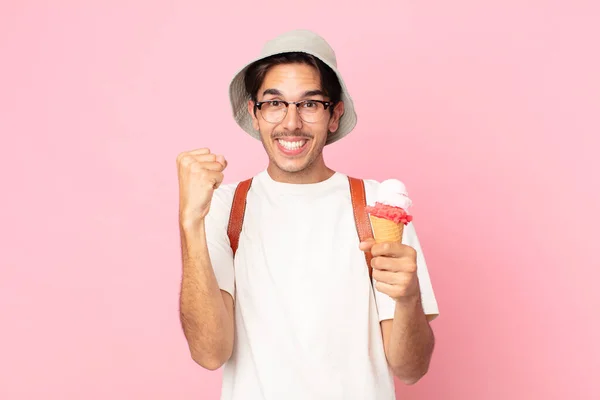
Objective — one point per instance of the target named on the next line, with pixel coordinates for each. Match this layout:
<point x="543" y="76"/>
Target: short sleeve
<point x="386" y="305"/>
<point x="219" y="248"/>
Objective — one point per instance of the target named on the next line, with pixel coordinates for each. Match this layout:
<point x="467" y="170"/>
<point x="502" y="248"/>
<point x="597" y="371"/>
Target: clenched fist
<point x="199" y="172"/>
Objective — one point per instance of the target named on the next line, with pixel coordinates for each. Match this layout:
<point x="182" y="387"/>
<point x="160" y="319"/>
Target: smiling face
<point x="294" y="136"/>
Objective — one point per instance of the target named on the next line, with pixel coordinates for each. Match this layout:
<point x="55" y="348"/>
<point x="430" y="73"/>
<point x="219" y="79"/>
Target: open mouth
<point x="292" y="147"/>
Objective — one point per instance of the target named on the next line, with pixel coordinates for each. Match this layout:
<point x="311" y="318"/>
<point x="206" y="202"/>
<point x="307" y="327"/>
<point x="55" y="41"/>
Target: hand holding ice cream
<point x="394" y="264"/>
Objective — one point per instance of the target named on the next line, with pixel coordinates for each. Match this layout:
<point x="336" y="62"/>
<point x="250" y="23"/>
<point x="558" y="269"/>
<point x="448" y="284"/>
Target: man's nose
<point x="292" y="120"/>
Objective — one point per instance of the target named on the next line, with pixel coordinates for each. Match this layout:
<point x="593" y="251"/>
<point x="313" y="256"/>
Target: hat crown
<point x="300" y="40"/>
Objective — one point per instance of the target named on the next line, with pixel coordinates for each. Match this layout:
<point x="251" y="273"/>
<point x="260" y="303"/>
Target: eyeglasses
<point x="311" y="111"/>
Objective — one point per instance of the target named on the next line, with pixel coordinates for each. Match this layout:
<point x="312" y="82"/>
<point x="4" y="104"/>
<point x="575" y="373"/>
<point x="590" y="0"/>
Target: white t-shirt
<point x="306" y="319"/>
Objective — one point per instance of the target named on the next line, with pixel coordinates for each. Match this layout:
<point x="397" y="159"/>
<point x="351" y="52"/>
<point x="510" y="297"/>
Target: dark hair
<point x="255" y="74"/>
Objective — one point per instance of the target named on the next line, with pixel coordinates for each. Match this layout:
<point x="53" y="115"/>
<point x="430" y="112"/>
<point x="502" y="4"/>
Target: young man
<point x="293" y="313"/>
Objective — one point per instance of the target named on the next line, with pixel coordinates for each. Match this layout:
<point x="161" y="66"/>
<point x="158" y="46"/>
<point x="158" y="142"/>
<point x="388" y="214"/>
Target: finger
<point x="385" y="288"/>
<point x="221" y="159"/>
<point x="389" y="277"/>
<point x="214" y="178"/>
<point x="408" y="288"/>
<point x="393" y="249"/>
<point x="384" y="263"/>
<point x="394" y="264"/>
<point x="205" y="157"/>
<point x="212" y="166"/>
<point x="198" y="152"/>
<point x="367" y="244"/>
<point x="394" y="291"/>
<point x="218" y="180"/>
<point x="390" y="249"/>
<point x="187" y="159"/>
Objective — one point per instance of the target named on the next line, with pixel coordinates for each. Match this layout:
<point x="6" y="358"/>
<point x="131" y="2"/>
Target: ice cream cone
<point x="385" y="230"/>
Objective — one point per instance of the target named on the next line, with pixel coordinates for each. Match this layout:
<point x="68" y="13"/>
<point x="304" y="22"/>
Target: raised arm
<point x="206" y="312"/>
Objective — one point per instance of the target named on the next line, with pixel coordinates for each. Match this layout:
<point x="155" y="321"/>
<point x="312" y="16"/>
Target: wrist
<point x="410" y="301"/>
<point x="412" y="294"/>
<point x="190" y="222"/>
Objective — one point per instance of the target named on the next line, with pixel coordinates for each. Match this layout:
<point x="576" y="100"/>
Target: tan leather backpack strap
<point x="361" y="217"/>
<point x="236" y="215"/>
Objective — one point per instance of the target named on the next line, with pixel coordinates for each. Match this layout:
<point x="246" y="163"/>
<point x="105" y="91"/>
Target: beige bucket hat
<point x="299" y="40"/>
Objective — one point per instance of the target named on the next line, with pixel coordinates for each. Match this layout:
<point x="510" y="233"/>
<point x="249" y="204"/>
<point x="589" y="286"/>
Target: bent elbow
<point x="211" y="362"/>
<point x="409" y="378"/>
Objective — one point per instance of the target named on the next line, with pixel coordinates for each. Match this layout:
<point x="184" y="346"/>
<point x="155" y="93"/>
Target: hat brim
<point x="239" y="101"/>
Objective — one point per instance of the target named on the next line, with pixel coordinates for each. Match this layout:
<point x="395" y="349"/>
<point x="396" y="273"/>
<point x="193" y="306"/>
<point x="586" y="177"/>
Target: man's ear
<point x="334" y="121"/>
<point x="252" y="114"/>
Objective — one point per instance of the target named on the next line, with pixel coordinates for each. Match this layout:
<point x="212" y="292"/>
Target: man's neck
<point x="313" y="174"/>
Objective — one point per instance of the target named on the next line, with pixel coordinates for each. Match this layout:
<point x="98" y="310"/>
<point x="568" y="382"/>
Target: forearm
<point x="411" y="343"/>
<point x="206" y="321"/>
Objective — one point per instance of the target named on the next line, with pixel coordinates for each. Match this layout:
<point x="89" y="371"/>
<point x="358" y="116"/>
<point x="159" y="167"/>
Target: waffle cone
<point x="385" y="230"/>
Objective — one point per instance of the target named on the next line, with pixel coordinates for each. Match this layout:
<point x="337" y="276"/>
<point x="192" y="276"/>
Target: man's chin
<point x="291" y="166"/>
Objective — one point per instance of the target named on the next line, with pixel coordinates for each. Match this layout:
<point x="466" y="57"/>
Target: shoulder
<point x="371" y="185"/>
<point x="223" y="195"/>
<point x="222" y="200"/>
<point x="371" y="188"/>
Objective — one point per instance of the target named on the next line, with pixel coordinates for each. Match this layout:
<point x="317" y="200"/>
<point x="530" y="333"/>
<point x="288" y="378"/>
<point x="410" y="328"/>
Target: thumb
<point x="366" y="245"/>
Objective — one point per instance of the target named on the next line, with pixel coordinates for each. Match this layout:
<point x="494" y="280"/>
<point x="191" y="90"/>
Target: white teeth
<point x="292" y="145"/>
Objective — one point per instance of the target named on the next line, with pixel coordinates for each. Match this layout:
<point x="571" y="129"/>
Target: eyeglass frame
<point x="259" y="104"/>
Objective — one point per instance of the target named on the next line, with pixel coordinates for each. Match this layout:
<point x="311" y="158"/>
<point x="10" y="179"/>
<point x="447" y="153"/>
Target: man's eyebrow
<point x="273" y="92"/>
<point x="310" y="93"/>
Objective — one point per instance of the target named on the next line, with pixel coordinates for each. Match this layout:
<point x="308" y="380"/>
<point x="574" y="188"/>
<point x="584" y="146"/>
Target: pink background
<point x="487" y="110"/>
